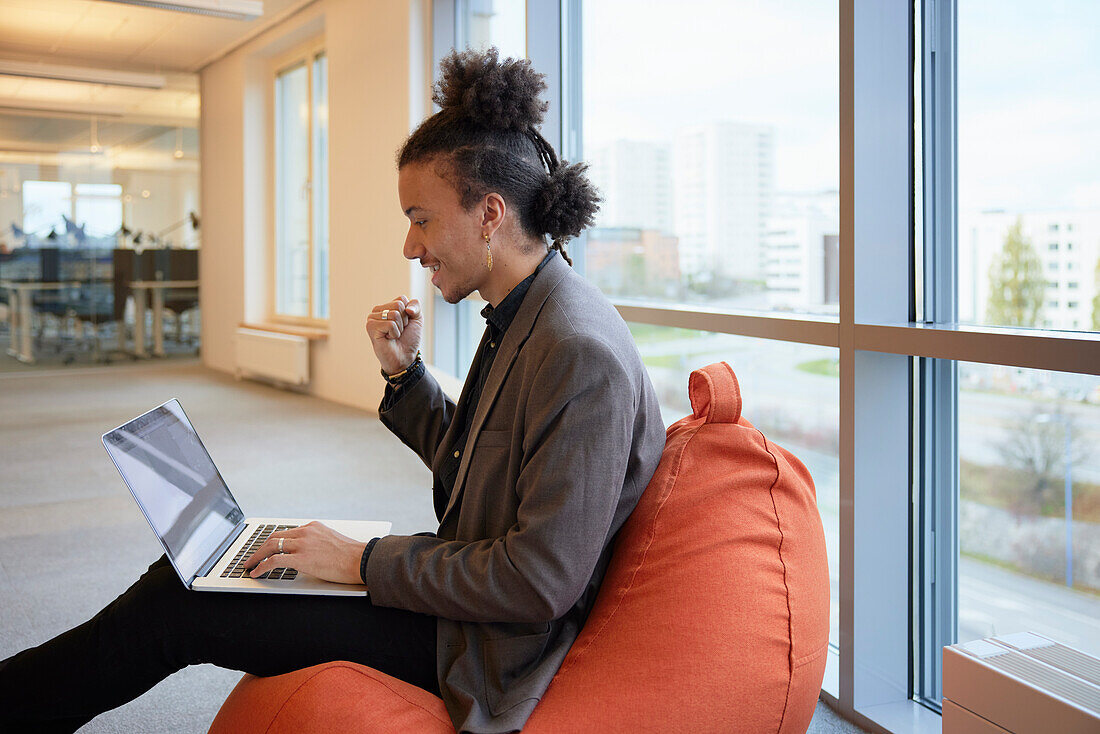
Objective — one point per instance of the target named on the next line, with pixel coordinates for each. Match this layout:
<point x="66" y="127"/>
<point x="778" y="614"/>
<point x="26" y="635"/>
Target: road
<point x="995" y="601"/>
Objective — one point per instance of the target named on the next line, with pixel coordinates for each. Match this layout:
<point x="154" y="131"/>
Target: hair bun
<point x="496" y="94"/>
<point x="567" y="203"/>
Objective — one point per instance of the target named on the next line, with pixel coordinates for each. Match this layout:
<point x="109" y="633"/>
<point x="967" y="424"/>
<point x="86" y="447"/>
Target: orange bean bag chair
<point x="713" y="616"/>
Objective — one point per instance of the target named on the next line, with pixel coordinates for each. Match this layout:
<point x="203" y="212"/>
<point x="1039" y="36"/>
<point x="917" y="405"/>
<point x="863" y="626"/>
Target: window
<point x="98" y="208"/>
<point x="301" y="188"/>
<point x="94" y="209"/>
<point x="45" y="203"/>
<point x="873" y="375"/>
<point x="500" y="23"/>
<point x="1029" y="489"/>
<point x="1017" y="200"/>
<point x="721" y="193"/>
<point x="705" y="162"/>
<point x="979" y="465"/>
<point x="476" y="24"/>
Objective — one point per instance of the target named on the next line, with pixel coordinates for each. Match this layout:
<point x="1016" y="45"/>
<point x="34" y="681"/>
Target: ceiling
<point x="95" y="34"/>
<point x="118" y="36"/>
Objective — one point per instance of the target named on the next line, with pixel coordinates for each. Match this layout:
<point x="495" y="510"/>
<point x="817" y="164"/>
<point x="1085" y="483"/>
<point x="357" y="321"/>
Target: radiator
<point x="1020" y="683"/>
<point x="283" y="358"/>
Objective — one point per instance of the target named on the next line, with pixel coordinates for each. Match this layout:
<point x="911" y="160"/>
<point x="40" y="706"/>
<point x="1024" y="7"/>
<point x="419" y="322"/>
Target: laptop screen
<point x="175" y="482"/>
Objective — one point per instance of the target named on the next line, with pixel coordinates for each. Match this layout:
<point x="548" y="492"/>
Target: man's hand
<point x="315" y="549"/>
<point x="394" y="329"/>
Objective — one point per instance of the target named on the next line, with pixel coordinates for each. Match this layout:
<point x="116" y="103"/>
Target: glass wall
<point x="1029" y="164"/>
<point x="952" y="457"/>
<point x="89" y="207"/>
<point x="718" y="163"/>
<point x="1029" y="504"/>
<point x="711" y="130"/>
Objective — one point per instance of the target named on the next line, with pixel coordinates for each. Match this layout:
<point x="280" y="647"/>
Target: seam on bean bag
<point x="811" y="657"/>
<point x="359" y="672"/>
<point x="786" y="587"/>
<point x="645" y="554"/>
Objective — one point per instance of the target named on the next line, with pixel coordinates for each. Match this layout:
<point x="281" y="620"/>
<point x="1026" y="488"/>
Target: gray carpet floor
<point x="71" y="538"/>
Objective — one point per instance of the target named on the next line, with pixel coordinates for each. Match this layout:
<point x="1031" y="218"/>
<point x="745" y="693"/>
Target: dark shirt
<point x="497" y="321"/>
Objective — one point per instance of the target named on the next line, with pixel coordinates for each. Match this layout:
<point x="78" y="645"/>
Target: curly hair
<point x="486" y="134"/>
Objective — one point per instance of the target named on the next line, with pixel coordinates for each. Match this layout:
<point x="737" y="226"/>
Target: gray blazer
<point x="564" y="440"/>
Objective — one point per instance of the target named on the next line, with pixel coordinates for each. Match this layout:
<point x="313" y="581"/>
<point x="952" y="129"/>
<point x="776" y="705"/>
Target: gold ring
<point x="385" y="313"/>
<point x="281" y="545"/>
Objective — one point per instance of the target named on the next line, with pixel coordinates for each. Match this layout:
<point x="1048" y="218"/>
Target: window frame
<point x="305" y="55"/>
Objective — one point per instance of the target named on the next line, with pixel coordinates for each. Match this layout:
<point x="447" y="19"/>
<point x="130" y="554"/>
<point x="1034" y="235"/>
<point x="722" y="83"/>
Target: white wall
<point x="368" y="51"/>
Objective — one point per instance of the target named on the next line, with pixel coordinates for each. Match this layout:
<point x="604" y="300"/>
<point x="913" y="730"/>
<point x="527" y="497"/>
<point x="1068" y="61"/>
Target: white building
<point x="635" y="179"/>
<point x="801" y="245"/>
<point x="723" y="177"/>
<point x="1068" y="245"/>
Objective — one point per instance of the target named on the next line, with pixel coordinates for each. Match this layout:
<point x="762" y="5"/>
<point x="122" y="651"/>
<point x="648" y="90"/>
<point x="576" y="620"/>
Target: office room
<point x="846" y="253"/>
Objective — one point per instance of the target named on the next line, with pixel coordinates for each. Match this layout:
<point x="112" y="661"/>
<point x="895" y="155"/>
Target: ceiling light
<point x="82" y="74"/>
<point x="232" y="9"/>
<point x="94" y="147"/>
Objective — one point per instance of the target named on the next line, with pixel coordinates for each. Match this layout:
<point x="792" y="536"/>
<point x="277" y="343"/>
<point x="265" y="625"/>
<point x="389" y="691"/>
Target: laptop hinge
<point x="220" y="550"/>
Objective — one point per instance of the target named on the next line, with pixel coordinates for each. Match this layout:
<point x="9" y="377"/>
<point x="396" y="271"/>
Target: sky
<point x="1028" y="86"/>
<point x="1029" y="104"/>
<point x="653" y="68"/>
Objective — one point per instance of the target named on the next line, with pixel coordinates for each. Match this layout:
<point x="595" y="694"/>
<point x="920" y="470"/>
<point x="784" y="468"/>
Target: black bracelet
<point x="363" y="560"/>
<point x="398" y="377"/>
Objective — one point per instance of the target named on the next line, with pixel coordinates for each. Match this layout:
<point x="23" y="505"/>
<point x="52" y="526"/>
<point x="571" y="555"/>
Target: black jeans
<point x="158" y="627"/>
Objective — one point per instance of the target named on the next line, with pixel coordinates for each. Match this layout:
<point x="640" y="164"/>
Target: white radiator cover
<point x="280" y="357"/>
<point x="1020" y="683"/>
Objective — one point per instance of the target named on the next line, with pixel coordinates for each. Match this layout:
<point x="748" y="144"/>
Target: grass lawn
<point x="827" y="367"/>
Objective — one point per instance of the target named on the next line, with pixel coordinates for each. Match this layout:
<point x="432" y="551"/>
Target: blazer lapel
<point x="514" y="338"/>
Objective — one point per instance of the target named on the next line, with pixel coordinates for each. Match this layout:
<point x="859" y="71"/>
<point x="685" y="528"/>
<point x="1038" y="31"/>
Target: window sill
<point x="308" y="332"/>
<point x="900" y="717"/>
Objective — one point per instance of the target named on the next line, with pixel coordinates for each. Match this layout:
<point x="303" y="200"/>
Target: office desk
<point x="139" y="287"/>
<point x="21" y="313"/>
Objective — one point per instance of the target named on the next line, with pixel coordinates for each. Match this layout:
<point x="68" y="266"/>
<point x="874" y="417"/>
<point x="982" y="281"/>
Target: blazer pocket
<point x="493" y="439"/>
<point x="508" y="662"/>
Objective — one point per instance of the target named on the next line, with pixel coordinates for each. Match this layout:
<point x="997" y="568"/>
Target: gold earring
<point x="488" y="253"/>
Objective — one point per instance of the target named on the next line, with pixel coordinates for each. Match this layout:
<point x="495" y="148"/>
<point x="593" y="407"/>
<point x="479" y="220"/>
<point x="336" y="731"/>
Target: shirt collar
<point x="500" y="318"/>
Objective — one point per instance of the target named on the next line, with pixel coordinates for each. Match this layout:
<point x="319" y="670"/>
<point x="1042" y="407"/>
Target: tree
<point x="1016" y="283"/>
<point x="1096" y="300"/>
<point x="1034" y="446"/>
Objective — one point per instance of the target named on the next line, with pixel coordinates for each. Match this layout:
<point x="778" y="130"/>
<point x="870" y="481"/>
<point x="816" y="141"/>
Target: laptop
<point x="203" y="531"/>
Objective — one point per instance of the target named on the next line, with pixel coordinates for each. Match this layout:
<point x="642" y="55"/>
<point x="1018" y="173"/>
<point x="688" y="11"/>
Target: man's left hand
<point x="315" y="549"/>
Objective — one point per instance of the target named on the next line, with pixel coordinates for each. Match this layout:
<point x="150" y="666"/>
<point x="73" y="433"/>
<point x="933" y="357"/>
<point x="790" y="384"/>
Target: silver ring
<point x="385" y="314"/>
<point x="281" y="545"/>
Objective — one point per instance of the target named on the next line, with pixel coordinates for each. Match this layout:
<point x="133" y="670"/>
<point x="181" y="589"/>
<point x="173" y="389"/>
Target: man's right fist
<point x="394" y="329"/>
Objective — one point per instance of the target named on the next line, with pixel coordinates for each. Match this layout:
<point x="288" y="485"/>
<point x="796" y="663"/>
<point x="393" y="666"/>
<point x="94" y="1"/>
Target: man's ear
<point x="493" y="210"/>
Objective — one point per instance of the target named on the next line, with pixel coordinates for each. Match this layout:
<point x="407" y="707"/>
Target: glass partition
<point x="89" y="208"/>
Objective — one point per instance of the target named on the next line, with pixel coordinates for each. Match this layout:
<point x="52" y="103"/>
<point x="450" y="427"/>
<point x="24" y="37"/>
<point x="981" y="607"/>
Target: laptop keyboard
<point x="236" y="569"/>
